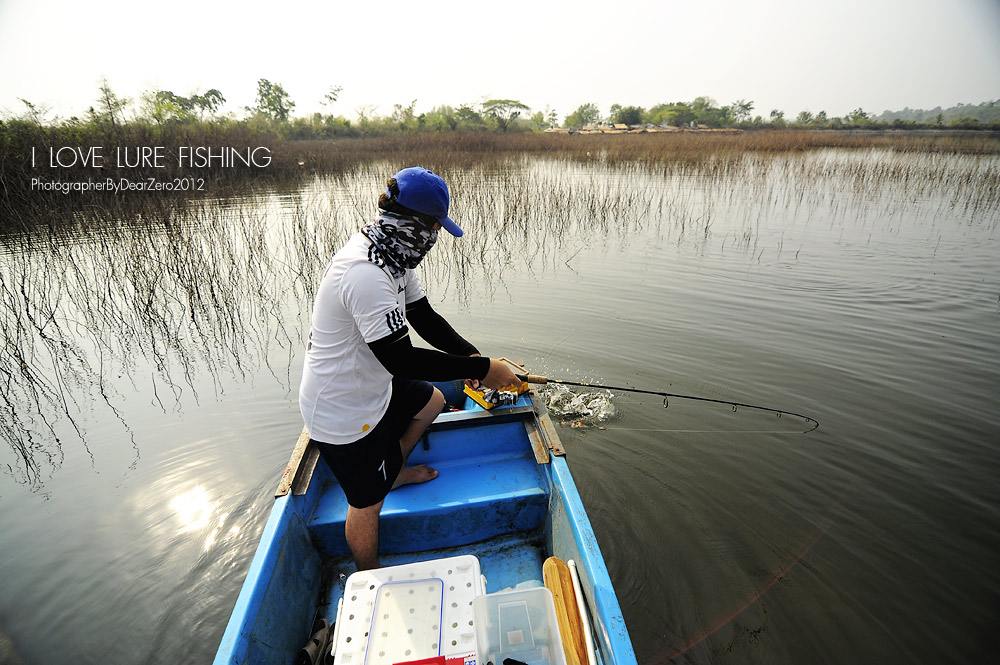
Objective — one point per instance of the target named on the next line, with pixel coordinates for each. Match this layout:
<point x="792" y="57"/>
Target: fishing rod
<point x="542" y="380"/>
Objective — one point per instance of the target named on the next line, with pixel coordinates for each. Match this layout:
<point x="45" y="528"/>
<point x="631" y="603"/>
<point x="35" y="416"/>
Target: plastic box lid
<point x="519" y="624"/>
<point x="409" y="612"/>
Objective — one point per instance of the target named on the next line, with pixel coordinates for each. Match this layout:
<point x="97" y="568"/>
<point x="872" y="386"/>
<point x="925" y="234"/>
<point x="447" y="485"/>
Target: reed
<point x="445" y="151"/>
<point x="181" y="296"/>
<point x="293" y="162"/>
<point x="176" y="294"/>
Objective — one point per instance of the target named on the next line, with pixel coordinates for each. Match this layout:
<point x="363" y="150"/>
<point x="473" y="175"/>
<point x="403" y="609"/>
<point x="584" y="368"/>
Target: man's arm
<point x="398" y="355"/>
<point x="436" y="330"/>
<point x="400" y="358"/>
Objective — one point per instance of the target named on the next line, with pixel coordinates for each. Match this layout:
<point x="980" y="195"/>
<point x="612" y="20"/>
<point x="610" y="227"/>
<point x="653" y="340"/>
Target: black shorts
<point x="368" y="467"/>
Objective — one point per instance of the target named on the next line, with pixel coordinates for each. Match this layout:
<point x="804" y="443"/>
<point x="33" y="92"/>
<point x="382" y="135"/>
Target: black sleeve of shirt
<point x="398" y="355"/>
<point x="432" y="327"/>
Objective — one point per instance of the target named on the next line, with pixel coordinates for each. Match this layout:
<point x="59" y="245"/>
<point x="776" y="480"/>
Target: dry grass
<point x="295" y="161"/>
<point x="462" y="150"/>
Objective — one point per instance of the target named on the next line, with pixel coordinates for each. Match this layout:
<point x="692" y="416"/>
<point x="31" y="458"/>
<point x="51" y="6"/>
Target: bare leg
<point x="361" y="526"/>
<point x="361" y="529"/>
<point x="421" y="473"/>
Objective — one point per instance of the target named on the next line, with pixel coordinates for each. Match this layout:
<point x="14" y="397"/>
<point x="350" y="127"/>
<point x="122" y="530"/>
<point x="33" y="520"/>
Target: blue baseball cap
<point x="427" y="193"/>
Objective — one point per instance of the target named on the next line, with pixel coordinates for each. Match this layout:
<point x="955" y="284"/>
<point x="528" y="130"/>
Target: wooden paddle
<point x="557" y="579"/>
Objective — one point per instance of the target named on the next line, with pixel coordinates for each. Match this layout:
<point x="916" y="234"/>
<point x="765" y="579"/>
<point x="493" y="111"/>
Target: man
<point x="365" y="396"/>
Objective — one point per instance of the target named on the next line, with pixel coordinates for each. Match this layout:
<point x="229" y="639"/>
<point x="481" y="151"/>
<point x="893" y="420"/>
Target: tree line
<point x="272" y="114"/>
<point x="986" y="113"/>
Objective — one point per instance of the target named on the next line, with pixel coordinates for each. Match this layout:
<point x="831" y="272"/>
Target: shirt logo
<point x="394" y="319"/>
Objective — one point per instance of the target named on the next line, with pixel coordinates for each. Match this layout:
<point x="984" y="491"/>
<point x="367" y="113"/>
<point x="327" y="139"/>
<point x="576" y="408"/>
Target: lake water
<point x="857" y="287"/>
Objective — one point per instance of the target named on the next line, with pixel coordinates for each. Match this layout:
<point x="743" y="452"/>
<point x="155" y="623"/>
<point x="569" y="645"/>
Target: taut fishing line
<point x="534" y="378"/>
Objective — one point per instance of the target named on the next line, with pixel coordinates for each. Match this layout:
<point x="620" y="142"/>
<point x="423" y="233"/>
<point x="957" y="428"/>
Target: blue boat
<point x="504" y="494"/>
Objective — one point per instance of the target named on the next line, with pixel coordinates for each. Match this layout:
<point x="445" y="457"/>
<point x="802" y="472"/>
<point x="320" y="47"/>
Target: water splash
<point x="588" y="408"/>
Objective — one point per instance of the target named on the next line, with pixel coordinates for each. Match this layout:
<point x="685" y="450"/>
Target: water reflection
<point x="849" y="285"/>
<point x="193" y="509"/>
<point x="197" y="512"/>
<point x="218" y="288"/>
<point x="197" y="293"/>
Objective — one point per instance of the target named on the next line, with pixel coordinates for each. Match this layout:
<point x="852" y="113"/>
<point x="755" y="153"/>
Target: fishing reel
<point x="489" y="398"/>
<point x="492" y="397"/>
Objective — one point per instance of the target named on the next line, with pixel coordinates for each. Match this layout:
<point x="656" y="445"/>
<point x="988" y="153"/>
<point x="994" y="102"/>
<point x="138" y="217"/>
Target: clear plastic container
<point x="519" y="624"/>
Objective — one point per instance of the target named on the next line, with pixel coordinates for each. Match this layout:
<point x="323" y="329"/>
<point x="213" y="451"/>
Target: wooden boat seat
<point x="503" y="490"/>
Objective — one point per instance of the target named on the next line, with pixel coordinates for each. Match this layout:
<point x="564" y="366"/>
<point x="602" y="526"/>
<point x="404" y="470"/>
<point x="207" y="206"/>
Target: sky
<point x="780" y="54"/>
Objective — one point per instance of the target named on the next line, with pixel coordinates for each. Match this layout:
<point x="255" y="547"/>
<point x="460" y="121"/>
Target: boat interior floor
<point x="492" y="504"/>
<point x="510" y="562"/>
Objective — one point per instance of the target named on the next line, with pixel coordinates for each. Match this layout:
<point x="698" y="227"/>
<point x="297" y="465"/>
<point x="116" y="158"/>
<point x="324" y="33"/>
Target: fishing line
<point x="534" y="378"/>
<point x="825" y="522"/>
<point x="700" y="431"/>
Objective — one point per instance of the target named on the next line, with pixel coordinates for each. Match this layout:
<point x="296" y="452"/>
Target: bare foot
<point x="412" y="475"/>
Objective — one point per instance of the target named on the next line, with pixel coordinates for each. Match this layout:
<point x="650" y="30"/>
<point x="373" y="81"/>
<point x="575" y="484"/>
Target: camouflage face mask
<point x="398" y="242"/>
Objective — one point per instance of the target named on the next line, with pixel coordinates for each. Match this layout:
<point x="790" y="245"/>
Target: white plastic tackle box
<point x="410" y="612"/>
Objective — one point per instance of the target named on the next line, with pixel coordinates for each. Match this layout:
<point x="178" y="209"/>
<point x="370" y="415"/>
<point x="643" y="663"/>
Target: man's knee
<point x="437" y="399"/>
<point x="366" y="515"/>
<point x="433" y="407"/>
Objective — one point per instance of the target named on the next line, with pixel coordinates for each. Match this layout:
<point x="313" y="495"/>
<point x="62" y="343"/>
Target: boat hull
<point x="501" y="495"/>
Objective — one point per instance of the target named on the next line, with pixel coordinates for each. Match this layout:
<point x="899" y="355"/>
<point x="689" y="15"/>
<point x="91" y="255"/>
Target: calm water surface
<point x="859" y="288"/>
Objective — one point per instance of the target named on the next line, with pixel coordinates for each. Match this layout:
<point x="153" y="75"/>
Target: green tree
<point x="545" y="119"/>
<point x="858" y="117"/>
<point x="626" y="115"/>
<point x="110" y="107"/>
<point x="210" y="102"/>
<point x="470" y="119"/>
<point x="164" y="106"/>
<point x="403" y="116"/>
<point x="33" y="113"/>
<point x="441" y="119"/>
<point x="585" y="114"/>
<point x="804" y="118"/>
<point x="741" y="110"/>
<point x="367" y="120"/>
<point x="273" y="101"/>
<point x="551" y="117"/>
<point x="332" y="95"/>
<point x="717" y="117"/>
<point x="677" y="114"/>
<point x="965" y="122"/>
<point x="702" y="105"/>
<point x="503" y="112"/>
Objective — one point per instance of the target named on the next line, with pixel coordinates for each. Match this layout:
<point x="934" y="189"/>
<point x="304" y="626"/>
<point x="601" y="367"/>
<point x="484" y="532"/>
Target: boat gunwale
<point x="302" y="496"/>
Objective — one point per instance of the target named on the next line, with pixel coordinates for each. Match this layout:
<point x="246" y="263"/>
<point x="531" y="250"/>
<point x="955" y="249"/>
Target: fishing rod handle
<point x="533" y="378"/>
